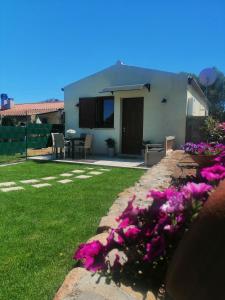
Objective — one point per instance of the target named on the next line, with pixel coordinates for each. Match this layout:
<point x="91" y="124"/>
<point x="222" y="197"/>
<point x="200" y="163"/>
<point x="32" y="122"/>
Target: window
<point x="96" y="112"/>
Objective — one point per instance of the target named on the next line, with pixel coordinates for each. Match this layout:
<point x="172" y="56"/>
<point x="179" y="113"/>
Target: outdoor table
<point x="73" y="144"/>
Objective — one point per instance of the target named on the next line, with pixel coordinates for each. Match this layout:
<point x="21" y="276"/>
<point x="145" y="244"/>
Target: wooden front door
<point x="132" y="125"/>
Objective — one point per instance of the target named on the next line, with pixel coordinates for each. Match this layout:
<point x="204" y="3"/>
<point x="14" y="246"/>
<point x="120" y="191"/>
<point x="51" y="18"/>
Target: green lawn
<point x="11" y="158"/>
<point x="40" y="228"/>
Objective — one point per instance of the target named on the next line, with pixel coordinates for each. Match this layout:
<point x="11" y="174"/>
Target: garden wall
<point x="194" y="132"/>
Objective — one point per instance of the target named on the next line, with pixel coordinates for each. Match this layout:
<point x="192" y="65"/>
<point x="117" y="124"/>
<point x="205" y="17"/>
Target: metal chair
<point x="58" y="142"/>
<point x="87" y="145"/>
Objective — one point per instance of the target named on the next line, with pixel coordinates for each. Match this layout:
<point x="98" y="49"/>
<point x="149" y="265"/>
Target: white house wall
<point x="196" y="105"/>
<point x="160" y="119"/>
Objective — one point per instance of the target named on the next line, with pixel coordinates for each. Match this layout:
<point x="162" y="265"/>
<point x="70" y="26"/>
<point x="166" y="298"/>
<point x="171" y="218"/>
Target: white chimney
<point x="10" y="103"/>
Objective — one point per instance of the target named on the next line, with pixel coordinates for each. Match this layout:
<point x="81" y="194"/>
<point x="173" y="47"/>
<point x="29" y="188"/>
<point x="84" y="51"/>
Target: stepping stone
<point x="105" y="170"/>
<point x="29" y="181"/>
<point x="9" y="183"/>
<point x="40" y="185"/>
<point x="49" y="178"/>
<point x="13" y="188"/>
<point x="83" y="176"/>
<point x="95" y="173"/>
<point x="89" y="168"/>
<point x="78" y="171"/>
<point x="66" y="174"/>
<point x="65" y="181"/>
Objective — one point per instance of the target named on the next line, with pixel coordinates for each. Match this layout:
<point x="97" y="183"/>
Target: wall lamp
<point x="164" y="100"/>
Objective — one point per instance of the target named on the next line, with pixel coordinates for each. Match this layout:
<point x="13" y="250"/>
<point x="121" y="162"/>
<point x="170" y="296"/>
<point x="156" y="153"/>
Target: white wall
<point x="160" y="119"/>
<point x="196" y="105"/>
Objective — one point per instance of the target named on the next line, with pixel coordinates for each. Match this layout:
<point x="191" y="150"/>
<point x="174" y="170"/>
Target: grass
<point x="11" y="158"/>
<point x="40" y="228"/>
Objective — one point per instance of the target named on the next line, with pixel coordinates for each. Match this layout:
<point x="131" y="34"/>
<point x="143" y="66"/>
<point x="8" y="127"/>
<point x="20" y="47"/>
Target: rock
<point x="72" y="278"/>
<point x="83" y="285"/>
<point x="101" y="237"/>
<point x="106" y="223"/>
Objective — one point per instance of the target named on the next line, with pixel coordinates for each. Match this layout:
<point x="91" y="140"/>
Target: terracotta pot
<point x="204" y="160"/>
<point x="197" y="270"/>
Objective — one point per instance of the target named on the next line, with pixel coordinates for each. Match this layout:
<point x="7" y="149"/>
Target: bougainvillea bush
<point x="145" y="239"/>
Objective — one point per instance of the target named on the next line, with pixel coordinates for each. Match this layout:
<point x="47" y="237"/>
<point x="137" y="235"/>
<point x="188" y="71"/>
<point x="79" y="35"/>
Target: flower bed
<point x="142" y="245"/>
<point x="145" y="238"/>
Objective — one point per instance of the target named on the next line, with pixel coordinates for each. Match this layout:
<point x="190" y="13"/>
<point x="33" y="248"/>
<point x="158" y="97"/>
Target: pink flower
<point x="124" y="223"/>
<point x="174" y="204"/>
<point x="157" y="195"/>
<point x="214" y="173"/>
<point x="221" y="158"/>
<point x="129" y="215"/>
<point x="154" y="248"/>
<point x="195" y="190"/>
<point x="91" y="255"/>
<point x="131" y="232"/>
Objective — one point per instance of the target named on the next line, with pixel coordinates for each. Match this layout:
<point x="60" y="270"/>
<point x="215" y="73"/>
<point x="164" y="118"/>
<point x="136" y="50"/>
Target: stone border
<point x="157" y="177"/>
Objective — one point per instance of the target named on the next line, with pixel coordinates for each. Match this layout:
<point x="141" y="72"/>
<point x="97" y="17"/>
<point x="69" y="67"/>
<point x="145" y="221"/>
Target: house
<point x="131" y="104"/>
<point x="47" y="112"/>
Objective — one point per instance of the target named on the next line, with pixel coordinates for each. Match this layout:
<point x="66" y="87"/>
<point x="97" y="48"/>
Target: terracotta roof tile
<point x="33" y="108"/>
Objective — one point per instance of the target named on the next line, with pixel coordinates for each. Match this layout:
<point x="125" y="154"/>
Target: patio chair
<point x="155" y="152"/>
<point x="86" y="147"/>
<point x="58" y="142"/>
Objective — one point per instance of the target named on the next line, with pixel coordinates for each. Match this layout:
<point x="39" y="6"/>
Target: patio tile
<point x="65" y="181"/>
<point x="66" y="174"/>
<point x="83" y="176"/>
<point x="29" y="181"/>
<point x="49" y="178"/>
<point x="13" y="188"/>
<point x="9" y="183"/>
<point x="95" y="173"/>
<point x="78" y="171"/>
<point x="40" y="185"/>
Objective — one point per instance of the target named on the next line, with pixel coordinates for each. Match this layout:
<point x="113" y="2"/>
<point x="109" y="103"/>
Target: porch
<point x="99" y="160"/>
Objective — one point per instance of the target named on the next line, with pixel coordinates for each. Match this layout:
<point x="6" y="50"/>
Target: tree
<point x="216" y="96"/>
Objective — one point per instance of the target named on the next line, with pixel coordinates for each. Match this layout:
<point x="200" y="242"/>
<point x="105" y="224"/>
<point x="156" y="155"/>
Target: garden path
<point x="12" y="186"/>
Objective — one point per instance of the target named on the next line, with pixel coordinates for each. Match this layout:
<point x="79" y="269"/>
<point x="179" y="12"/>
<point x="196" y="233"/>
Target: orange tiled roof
<point x="33" y="108"/>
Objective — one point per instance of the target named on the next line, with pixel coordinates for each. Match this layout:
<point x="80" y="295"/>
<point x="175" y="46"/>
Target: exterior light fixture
<point x="164" y="100"/>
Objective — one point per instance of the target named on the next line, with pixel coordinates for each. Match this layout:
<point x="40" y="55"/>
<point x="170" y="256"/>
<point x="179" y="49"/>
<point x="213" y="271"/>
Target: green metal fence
<point x="16" y="141"/>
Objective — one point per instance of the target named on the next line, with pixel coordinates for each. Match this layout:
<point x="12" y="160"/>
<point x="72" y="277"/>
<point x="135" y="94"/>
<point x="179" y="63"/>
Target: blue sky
<point x="46" y="44"/>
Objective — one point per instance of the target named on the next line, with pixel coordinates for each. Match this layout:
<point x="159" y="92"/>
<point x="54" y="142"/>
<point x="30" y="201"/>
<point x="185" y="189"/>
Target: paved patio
<point x="121" y="162"/>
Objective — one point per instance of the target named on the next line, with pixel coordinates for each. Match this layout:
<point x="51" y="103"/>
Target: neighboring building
<point x="131" y="104"/>
<point x="48" y="112"/>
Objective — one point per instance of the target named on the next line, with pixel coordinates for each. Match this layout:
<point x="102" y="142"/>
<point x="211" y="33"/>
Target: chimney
<point x="10" y="103"/>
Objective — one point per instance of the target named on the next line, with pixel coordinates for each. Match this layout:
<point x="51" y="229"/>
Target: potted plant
<point x="203" y="153"/>
<point x="111" y="146"/>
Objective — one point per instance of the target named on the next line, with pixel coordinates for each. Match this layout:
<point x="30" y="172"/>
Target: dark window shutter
<point x="87" y="113"/>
